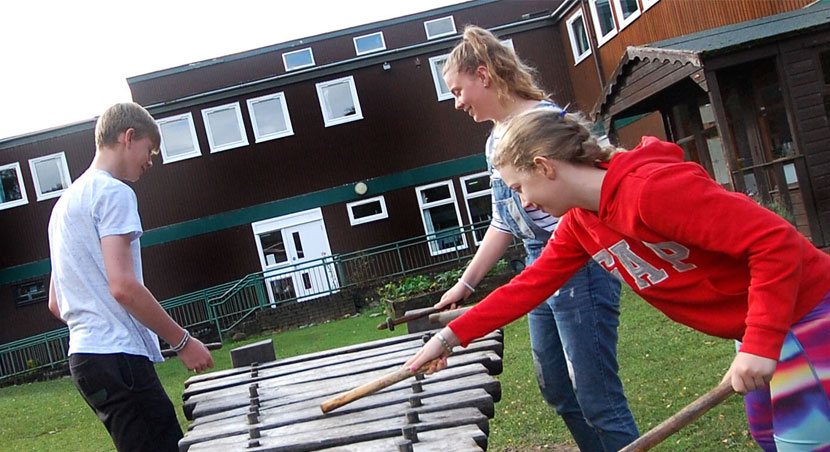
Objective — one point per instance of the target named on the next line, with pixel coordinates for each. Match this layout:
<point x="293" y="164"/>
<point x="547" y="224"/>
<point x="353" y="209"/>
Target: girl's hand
<point x="749" y="372"/>
<point x="433" y="349"/>
<point x="452" y="297"/>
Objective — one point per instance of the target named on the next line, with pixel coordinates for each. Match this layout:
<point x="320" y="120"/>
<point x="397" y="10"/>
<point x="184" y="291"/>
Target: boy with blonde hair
<point x="97" y="289"/>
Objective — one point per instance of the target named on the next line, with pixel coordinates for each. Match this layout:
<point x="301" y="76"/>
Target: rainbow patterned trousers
<point x="793" y="414"/>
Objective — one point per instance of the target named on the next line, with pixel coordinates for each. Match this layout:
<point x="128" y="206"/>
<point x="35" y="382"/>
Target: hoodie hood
<point x="633" y="167"/>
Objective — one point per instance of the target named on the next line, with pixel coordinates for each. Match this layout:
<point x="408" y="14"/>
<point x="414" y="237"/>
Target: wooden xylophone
<point x="276" y="406"/>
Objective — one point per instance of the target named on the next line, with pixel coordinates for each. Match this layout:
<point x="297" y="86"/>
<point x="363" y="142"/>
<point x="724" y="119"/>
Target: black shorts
<point x="126" y="394"/>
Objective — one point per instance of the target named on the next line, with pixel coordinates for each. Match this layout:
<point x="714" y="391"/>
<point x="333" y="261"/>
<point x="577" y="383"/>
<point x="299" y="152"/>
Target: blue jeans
<point x="573" y="336"/>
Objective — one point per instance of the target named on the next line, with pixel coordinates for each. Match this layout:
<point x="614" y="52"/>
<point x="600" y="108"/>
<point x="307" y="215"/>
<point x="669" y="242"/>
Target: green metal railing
<point x="222" y="308"/>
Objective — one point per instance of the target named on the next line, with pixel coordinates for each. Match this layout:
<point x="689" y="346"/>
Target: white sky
<point x="63" y="61"/>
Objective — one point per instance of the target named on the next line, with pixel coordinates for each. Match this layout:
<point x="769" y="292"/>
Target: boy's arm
<point x="141" y="304"/>
<point x="53" y="299"/>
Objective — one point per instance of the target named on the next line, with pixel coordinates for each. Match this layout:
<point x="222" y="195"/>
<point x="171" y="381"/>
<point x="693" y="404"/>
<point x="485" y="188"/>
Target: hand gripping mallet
<point x="372" y="387"/>
<point x="682" y="418"/>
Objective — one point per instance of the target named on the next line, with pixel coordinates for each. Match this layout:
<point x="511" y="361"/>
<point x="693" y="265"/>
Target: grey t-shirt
<point x="96" y="205"/>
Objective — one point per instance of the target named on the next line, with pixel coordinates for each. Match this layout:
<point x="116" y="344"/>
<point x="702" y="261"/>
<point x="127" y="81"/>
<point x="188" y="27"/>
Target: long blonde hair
<point x="550" y="133"/>
<point x="509" y="74"/>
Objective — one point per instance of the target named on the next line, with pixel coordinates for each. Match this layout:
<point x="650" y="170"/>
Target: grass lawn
<point x="664" y="366"/>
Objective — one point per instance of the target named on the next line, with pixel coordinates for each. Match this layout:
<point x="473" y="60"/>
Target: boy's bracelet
<point x="467" y="285"/>
<point x="183" y="343"/>
<point x="444" y="343"/>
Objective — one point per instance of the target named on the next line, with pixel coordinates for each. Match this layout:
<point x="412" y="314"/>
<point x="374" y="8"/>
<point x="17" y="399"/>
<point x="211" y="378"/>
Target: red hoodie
<point x="706" y="257"/>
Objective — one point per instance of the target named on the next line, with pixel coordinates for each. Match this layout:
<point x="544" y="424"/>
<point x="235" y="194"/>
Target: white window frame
<point x="23" y="198"/>
<point x="357" y="38"/>
<point x="509" y="44"/>
<point x="429" y="22"/>
<point x="648" y="4"/>
<point x="468" y="196"/>
<point x="595" y="19"/>
<point x="438" y="77"/>
<point x="243" y="134"/>
<point x="285" y="63"/>
<point x="621" y="21"/>
<point x="358" y="113"/>
<point x="62" y="167"/>
<point x="574" y="48"/>
<point x="289" y="128"/>
<point x="380" y="216"/>
<point x="433" y="247"/>
<point x="196" y="152"/>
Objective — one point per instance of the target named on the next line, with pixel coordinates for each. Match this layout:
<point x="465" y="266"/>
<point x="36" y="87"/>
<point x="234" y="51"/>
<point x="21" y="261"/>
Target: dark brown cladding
<point x="150" y="89"/>
<point x="23" y="236"/>
<point x="404" y="127"/>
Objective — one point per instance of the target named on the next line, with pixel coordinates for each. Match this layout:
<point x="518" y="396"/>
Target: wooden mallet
<point x="372" y="387"/>
<point x="682" y="418"/>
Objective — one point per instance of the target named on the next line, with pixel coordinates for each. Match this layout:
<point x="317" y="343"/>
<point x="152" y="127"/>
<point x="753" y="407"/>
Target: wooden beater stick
<point x="682" y="418"/>
<point x="372" y="387"/>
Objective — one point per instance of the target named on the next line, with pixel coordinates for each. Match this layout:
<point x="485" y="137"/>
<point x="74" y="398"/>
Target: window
<point x="442" y="220"/>
<point x="509" y="44"/>
<point x="30" y="292"/>
<point x="178" y="138"/>
<point x="369" y="43"/>
<point x="579" y="37"/>
<point x="269" y="117"/>
<point x="224" y="127"/>
<point x="627" y="11"/>
<point x="338" y="101"/>
<point x="436" y="28"/>
<point x="367" y="210"/>
<point x="51" y="175"/>
<point x="298" y="59"/>
<point x="603" y="20"/>
<point x="477" y="194"/>
<point x="436" y="65"/>
<point x="12" y="191"/>
<point x="648" y="4"/>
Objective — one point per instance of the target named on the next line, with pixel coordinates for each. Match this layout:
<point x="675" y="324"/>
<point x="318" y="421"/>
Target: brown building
<point x="335" y="143"/>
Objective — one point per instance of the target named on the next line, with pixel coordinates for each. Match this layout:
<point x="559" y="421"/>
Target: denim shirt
<point x="509" y="206"/>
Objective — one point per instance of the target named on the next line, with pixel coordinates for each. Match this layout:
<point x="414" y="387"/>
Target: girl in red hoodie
<point x="708" y="258"/>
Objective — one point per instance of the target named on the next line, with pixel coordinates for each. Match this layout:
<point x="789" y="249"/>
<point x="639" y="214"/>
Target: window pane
<point x="339" y="102"/>
<point x="477" y="184"/>
<point x="367" y="210"/>
<point x="628" y="7"/>
<point x="273" y="247"/>
<point x="50" y="175"/>
<point x="439" y="72"/>
<point x="176" y="137"/>
<point x="298" y="59"/>
<point x="11" y="186"/>
<point x="440" y="27"/>
<point x="480" y="210"/>
<point x="443" y="222"/>
<point x="604" y="16"/>
<point x="435" y="194"/>
<point x="578" y="27"/>
<point x="224" y="127"/>
<point x="268" y="116"/>
<point x="31" y="292"/>
<point x="369" y="43"/>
